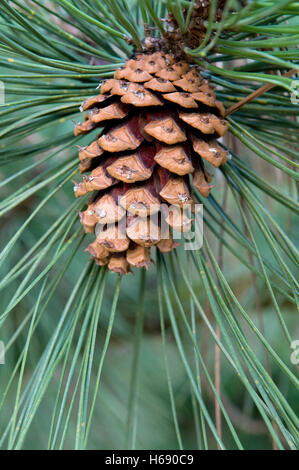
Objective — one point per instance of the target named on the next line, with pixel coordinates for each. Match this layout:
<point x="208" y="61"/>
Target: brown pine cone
<point x="161" y="120"/>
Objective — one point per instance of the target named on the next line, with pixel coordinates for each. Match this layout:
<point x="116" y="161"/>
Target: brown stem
<point x="255" y="94"/>
<point x="217" y="371"/>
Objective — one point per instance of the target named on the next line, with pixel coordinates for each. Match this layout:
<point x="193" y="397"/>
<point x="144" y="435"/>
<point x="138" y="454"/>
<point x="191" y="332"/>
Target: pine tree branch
<point x="260" y="91"/>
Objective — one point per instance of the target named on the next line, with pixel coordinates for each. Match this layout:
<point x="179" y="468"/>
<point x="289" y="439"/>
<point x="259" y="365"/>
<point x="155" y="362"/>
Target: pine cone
<point x="160" y="119"/>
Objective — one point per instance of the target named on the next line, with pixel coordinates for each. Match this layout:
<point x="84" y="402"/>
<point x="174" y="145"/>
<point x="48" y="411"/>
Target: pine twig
<point x="255" y="94"/>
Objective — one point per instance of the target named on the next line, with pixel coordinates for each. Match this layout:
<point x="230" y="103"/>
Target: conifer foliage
<point x="174" y="103"/>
